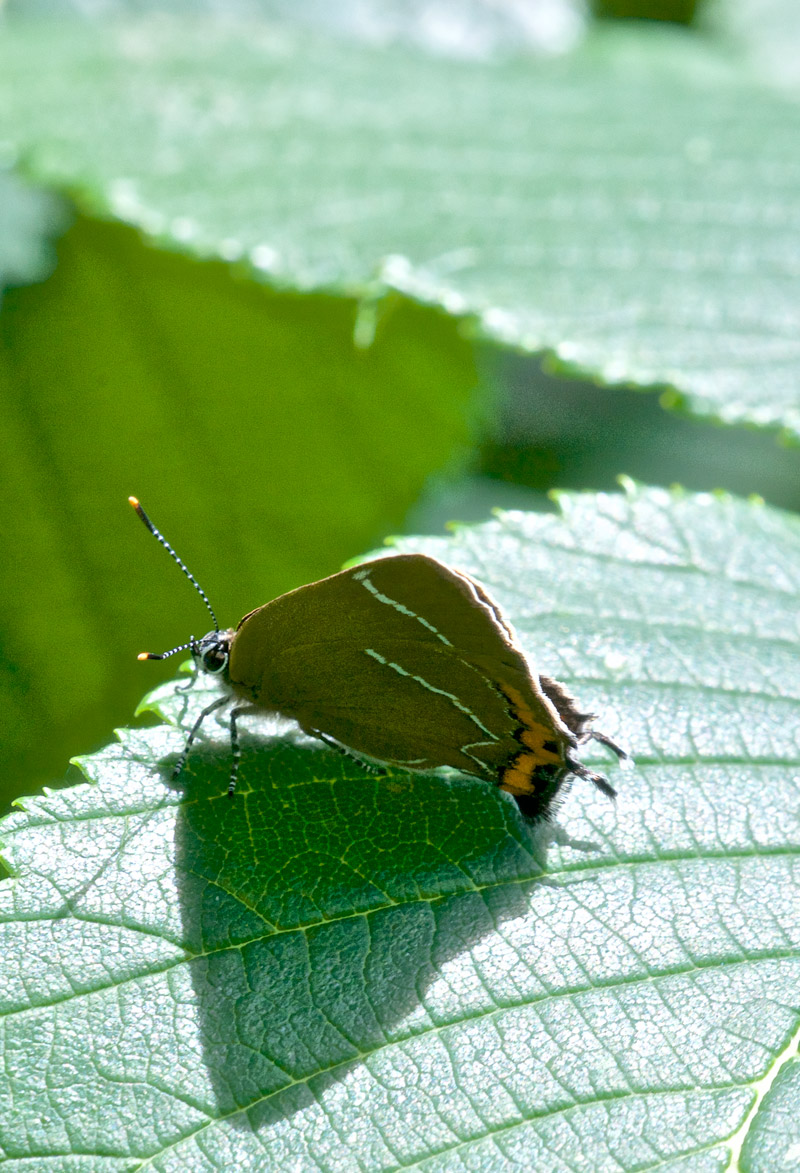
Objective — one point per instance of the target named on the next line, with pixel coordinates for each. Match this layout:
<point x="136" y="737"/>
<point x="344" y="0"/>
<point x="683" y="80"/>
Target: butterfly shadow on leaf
<point x="323" y="905"/>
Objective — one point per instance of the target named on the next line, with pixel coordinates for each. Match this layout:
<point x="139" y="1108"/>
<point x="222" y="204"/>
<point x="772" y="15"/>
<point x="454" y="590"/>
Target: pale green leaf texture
<point x="339" y="971"/>
<point x="632" y="206"/>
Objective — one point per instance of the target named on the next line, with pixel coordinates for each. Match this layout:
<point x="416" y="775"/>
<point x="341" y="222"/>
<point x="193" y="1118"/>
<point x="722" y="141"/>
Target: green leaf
<point x="260" y="438"/>
<point x="339" y="970"/>
<point x="631" y="206"/>
<point x="767" y="34"/>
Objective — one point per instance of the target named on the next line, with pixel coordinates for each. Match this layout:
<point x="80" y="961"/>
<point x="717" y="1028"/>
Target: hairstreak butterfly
<point x="400" y="661"/>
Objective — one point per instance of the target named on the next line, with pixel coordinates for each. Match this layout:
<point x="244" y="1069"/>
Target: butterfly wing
<point x="405" y="661"/>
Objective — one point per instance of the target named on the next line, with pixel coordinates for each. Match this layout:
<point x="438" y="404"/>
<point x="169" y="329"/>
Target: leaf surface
<point x="630" y="206"/>
<point x="341" y="970"/>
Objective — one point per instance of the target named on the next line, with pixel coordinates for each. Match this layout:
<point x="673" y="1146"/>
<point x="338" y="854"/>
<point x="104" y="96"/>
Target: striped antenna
<point x="157" y="534"/>
<point x="164" y="655"/>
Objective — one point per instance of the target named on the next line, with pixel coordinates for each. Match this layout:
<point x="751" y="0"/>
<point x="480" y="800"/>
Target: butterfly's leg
<point x="606" y="740"/>
<point x="347" y="753"/>
<point x="578" y="768"/>
<point x="236" y="749"/>
<point x="181" y="762"/>
<point x="184" y="690"/>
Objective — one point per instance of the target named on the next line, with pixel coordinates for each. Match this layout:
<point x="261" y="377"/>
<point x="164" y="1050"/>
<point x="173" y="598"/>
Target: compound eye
<point x="214" y="660"/>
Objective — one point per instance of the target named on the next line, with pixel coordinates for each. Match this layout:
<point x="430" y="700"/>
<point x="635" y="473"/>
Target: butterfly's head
<point x="212" y="652"/>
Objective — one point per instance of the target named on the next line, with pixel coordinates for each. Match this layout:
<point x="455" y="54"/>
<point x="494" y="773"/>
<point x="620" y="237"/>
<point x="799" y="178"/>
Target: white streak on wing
<point x="363" y="577"/>
<point x="431" y="688"/>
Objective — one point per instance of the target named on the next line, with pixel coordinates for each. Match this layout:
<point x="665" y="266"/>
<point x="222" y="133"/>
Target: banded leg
<point x="347" y="753"/>
<point x="181" y="762"/>
<point x="236" y="749"/>
<point x="184" y="690"/>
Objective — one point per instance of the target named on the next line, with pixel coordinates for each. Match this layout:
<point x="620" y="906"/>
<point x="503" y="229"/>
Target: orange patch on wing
<point x="534" y="733"/>
<point x="534" y="737"/>
<point x="517" y="778"/>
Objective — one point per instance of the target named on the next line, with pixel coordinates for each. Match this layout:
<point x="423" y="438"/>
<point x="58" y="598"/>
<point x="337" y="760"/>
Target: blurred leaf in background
<point x="630" y="204"/>
<point x="29" y="221"/>
<point x="263" y="442"/>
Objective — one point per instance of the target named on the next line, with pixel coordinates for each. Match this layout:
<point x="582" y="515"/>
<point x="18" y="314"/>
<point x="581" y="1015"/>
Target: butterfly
<point x="401" y="661"/>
